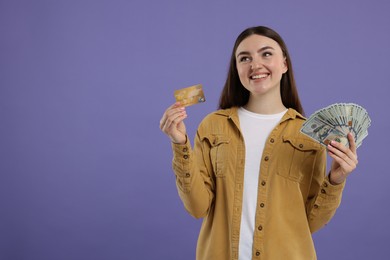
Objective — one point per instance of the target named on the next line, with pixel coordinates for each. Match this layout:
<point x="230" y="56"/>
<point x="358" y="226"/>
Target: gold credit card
<point x="190" y="96"/>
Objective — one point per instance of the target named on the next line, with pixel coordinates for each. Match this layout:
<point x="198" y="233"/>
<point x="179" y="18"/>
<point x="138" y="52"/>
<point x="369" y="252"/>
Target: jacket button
<point x="323" y="191"/>
<point x="258" y="253"/>
<point x="188" y="175"/>
<point x="266" y="158"/>
<point x="262" y="205"/>
<point x="260" y="228"/>
<point x="300" y="145"/>
<point x="263" y="183"/>
<point x="185" y="149"/>
<point x="185" y="156"/>
<point x="272" y="140"/>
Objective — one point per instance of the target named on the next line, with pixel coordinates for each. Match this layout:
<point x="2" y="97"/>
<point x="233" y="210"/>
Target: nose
<point x="255" y="65"/>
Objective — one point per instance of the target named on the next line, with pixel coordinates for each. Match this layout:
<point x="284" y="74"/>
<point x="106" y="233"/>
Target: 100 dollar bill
<point x="323" y="132"/>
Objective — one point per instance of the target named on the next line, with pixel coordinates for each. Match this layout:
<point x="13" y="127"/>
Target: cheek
<point x="278" y="67"/>
<point x="241" y="72"/>
<point x="242" y="75"/>
<point x="243" y="78"/>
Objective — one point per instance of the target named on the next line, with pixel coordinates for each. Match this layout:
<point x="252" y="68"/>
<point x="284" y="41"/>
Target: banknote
<point x="334" y="122"/>
<point x="190" y="95"/>
<point x="323" y="132"/>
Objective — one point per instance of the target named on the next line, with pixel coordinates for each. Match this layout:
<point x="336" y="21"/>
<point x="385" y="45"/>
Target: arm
<point x="194" y="183"/>
<point x="322" y="207"/>
<point x="325" y="204"/>
<point x="191" y="167"/>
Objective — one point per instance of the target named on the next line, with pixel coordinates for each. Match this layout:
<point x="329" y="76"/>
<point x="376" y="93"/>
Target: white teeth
<point x="259" y="76"/>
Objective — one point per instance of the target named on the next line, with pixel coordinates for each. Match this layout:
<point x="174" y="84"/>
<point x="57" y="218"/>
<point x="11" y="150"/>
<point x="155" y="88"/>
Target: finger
<point x="174" y="105"/>
<point x="352" y="144"/>
<point x="172" y="129"/>
<point x="171" y="111"/>
<point x="342" y="152"/>
<point x="173" y="120"/>
<point x="348" y="151"/>
<point x="173" y="114"/>
<point x="175" y="110"/>
<point x="343" y="159"/>
<point x="341" y="165"/>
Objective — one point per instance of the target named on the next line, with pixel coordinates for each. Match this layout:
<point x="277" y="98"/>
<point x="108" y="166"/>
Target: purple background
<point x="85" y="172"/>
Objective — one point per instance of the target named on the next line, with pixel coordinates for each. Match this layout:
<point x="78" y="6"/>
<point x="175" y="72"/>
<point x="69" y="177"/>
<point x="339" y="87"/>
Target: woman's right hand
<point x="172" y="123"/>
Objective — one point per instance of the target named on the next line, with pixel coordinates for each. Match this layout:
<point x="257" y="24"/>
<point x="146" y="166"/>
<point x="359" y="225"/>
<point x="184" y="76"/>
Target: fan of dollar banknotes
<point x="334" y="122"/>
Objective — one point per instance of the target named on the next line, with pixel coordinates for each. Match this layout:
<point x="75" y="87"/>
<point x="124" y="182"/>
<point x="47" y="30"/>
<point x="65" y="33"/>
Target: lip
<point x="259" y="76"/>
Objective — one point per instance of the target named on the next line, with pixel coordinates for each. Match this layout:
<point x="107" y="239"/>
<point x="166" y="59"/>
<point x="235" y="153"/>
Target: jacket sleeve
<point x="324" y="198"/>
<point x="194" y="181"/>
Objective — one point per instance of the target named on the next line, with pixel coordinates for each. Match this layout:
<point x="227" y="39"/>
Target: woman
<point x="258" y="183"/>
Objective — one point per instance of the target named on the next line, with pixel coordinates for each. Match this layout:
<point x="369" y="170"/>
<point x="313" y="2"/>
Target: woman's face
<point x="260" y="64"/>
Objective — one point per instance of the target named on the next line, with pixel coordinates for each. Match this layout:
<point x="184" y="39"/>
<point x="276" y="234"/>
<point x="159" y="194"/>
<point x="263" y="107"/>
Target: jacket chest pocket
<point x="296" y="162"/>
<point x="219" y="154"/>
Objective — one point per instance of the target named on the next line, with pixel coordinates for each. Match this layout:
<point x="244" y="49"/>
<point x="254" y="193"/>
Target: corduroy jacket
<point x="295" y="197"/>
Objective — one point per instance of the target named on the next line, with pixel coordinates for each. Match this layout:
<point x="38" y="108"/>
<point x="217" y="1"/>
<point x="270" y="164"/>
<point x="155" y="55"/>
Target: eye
<point x="267" y="54"/>
<point x="245" y="59"/>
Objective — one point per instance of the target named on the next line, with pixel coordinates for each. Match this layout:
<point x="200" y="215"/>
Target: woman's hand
<point x="344" y="160"/>
<point x="172" y="123"/>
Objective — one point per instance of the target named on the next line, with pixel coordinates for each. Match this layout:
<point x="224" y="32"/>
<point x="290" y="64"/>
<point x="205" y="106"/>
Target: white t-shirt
<point x="255" y="129"/>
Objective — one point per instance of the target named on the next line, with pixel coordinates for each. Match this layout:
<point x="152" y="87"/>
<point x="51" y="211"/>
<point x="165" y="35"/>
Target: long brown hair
<point x="234" y="93"/>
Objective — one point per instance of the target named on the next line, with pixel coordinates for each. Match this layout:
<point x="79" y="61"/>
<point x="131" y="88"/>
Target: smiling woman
<point x="258" y="183"/>
<point x="260" y="64"/>
<point x="270" y="43"/>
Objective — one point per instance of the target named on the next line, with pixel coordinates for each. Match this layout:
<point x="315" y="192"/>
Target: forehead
<point x="255" y="42"/>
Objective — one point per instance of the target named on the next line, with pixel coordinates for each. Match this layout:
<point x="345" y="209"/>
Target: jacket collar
<point x="232" y="113"/>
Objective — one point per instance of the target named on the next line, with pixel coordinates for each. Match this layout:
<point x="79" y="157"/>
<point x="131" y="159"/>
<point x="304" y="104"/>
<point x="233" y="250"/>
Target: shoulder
<point x="221" y="115"/>
<point x="218" y="121"/>
<point x="292" y="132"/>
<point x="293" y="119"/>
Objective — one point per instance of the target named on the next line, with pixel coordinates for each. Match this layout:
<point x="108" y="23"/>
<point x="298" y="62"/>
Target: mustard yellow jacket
<point x="295" y="198"/>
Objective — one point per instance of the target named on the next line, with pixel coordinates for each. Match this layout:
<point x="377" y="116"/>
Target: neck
<point x="265" y="105"/>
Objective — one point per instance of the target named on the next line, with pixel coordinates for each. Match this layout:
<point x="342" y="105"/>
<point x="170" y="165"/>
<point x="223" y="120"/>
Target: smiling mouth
<point x="259" y="76"/>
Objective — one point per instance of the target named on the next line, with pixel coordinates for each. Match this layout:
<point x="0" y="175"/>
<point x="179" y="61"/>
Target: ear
<point x="285" y="67"/>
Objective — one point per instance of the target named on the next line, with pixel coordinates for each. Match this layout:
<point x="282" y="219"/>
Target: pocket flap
<point x="302" y="144"/>
<point x="216" y="139"/>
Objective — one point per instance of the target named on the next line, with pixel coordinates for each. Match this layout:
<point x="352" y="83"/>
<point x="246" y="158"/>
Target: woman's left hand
<point x="344" y="160"/>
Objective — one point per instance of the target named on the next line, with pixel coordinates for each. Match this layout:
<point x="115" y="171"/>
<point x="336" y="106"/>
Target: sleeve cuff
<point x="182" y="156"/>
<point x="330" y="190"/>
<point x="181" y="150"/>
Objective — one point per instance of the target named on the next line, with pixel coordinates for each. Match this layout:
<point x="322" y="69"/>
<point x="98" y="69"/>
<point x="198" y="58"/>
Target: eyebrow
<point x="260" y="50"/>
